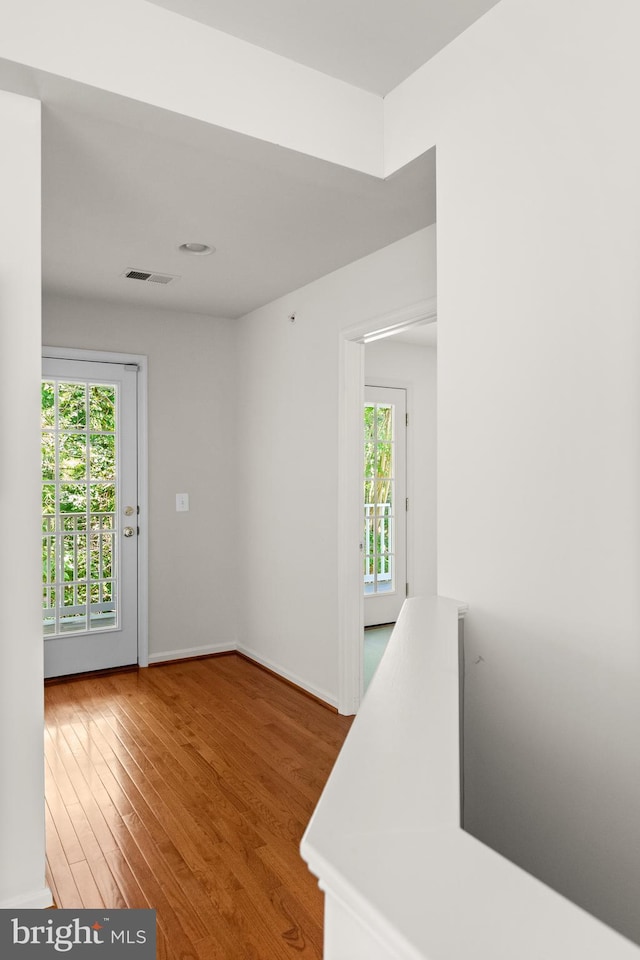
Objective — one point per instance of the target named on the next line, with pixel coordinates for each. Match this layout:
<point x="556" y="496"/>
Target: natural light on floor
<point x="375" y="643"/>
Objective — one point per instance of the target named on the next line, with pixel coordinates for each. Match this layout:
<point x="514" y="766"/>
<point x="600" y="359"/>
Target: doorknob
<point x="128" y="531"/>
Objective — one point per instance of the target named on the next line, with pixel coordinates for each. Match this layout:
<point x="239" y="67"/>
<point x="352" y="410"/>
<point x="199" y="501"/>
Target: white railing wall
<point x="402" y="880"/>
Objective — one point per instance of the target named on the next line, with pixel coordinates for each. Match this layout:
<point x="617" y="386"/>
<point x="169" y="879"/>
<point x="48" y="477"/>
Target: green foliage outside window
<point x="78" y="490"/>
<point x="378" y="481"/>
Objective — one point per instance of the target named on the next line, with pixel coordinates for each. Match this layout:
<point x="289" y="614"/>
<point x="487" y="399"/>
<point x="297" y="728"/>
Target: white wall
<point x="22" y="849"/>
<point x="395" y="364"/>
<point x="288" y="416"/>
<point x="532" y="112"/>
<point x="274" y="528"/>
<point x="192" y="449"/>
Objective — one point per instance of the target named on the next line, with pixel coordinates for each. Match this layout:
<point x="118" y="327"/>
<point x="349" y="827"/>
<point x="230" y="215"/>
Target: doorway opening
<point x="351" y="558"/>
<point x="375" y="643"/>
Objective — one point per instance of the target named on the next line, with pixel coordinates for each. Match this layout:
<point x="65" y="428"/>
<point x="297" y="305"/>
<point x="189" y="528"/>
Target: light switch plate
<point x="182" y="502"/>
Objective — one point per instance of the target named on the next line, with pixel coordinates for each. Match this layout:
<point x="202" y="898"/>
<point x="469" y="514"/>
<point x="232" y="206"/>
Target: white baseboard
<point x="185" y="653"/>
<point x="229" y="647"/>
<point x="293" y="677"/>
<point x="36" y="900"/>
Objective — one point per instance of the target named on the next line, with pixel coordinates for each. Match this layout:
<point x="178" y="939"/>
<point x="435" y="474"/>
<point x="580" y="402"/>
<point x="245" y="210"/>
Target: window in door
<point x="384" y="503"/>
<point x="79" y="556"/>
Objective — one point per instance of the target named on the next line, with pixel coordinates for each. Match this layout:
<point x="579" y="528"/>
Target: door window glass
<point x="79" y="495"/>
<point x="379" y="479"/>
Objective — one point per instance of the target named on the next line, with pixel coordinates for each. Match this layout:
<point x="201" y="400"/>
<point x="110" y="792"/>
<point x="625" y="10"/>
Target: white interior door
<point x="385" y="504"/>
<point x="89" y="516"/>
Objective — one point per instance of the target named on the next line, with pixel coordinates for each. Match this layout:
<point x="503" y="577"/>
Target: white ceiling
<point x="372" y="44"/>
<point x="125" y="183"/>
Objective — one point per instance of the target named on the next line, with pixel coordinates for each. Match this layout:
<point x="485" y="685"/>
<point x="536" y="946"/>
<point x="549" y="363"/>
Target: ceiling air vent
<point x="149" y="277"/>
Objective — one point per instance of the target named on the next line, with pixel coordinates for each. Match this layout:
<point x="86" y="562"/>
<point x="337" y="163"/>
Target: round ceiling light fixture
<point x="197" y="249"/>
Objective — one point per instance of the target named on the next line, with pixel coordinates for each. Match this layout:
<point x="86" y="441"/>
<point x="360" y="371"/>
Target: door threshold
<point x="91" y="674"/>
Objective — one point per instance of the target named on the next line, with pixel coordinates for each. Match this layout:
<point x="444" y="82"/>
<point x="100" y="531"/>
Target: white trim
<point x="188" y="652"/>
<point x="318" y="692"/>
<point x="231" y="646"/>
<point x="143" y="517"/>
<point x="97" y="356"/>
<point x="350" y="400"/>
<point x="36" y="900"/>
<point x="386" y="325"/>
<point x="350" y="534"/>
<point x="102" y="356"/>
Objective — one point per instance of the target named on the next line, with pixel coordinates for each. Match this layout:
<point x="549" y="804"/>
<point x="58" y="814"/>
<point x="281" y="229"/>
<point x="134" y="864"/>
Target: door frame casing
<point x="102" y="356"/>
<point x="350" y="439"/>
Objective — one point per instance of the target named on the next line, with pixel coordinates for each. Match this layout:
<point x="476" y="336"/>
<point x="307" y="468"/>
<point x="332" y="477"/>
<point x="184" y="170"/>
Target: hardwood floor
<point x="187" y="788"/>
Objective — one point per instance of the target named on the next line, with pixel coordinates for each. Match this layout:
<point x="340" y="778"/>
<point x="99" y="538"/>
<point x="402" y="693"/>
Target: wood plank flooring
<point x="187" y="788"/>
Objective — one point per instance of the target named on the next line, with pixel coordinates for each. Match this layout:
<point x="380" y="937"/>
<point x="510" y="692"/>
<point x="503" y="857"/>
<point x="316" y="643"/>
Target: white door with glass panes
<point x="89" y="516"/>
<point x="385" y="504"/>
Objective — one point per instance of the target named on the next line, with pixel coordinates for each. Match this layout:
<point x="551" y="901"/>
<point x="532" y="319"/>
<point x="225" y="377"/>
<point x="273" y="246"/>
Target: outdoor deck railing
<point x="378" y="539"/>
<point x="79" y="559"/>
